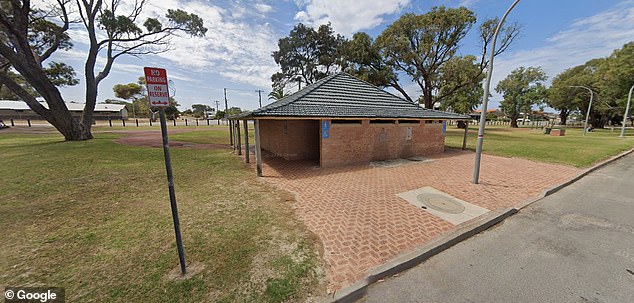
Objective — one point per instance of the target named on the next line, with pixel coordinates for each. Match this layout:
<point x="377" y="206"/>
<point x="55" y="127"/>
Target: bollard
<point x="207" y="122"/>
<point x="12" y="124"/>
<point x="137" y="122"/>
<point x="150" y="121"/>
<point x="110" y="122"/>
<point x="174" y="121"/>
<point x="185" y="122"/>
<point x="123" y="122"/>
<point x="196" y="122"/>
<point x="28" y="121"/>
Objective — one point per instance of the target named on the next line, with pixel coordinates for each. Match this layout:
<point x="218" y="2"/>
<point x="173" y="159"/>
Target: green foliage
<point x="128" y="91"/>
<point x="32" y="35"/>
<point x="563" y="97"/>
<point x="522" y="89"/>
<point x="220" y="114"/>
<point x="198" y="110"/>
<point x="419" y="45"/>
<point x="306" y="55"/>
<point x="460" y="82"/>
<point x="190" y="23"/>
<point x="424" y="47"/>
<point x="7" y="94"/>
<point x="61" y="74"/>
<point x="277" y="94"/>
<point x="361" y="57"/>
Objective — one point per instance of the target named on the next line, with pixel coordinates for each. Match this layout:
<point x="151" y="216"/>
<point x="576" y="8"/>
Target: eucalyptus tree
<point x="31" y="35"/>
<point x="521" y="89"/>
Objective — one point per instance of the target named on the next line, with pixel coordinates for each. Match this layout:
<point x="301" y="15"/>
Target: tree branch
<point x="23" y="94"/>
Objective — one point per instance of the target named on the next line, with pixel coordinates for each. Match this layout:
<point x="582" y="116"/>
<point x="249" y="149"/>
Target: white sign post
<point x="158" y="96"/>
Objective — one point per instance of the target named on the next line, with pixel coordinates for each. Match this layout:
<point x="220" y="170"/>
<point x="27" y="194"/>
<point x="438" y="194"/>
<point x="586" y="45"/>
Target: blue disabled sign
<point x="325" y="129"/>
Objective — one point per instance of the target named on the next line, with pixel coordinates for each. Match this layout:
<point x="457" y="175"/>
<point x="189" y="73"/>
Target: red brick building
<point x="343" y="120"/>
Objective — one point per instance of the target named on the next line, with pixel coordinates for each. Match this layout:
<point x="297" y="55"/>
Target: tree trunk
<point x="514" y="121"/>
<point x="563" y="116"/>
<point x="57" y="114"/>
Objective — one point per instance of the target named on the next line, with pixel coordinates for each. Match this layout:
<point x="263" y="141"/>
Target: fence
<point x="121" y="122"/>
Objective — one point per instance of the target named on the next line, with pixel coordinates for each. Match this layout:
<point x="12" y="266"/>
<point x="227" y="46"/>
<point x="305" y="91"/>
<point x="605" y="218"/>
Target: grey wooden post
<point x="238" y="139"/>
<point x="258" y="151"/>
<point x="246" y="141"/>
<point x="230" y="132"/>
<point x="464" y="139"/>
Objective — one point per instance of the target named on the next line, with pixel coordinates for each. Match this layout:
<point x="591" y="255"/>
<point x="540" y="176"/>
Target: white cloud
<point x="584" y="39"/>
<point x="263" y="8"/>
<point x="347" y="17"/>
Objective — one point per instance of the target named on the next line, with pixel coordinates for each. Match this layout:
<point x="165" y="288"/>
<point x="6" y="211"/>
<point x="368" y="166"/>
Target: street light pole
<point x="585" y="125"/>
<point x="627" y="112"/>
<point x="485" y="97"/>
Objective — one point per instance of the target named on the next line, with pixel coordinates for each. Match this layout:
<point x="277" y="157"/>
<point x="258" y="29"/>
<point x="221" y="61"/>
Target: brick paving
<point x="362" y="223"/>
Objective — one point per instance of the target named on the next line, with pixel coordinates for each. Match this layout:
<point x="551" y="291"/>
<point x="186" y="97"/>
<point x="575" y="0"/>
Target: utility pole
<point x="260" y="96"/>
<point x="217" y="105"/>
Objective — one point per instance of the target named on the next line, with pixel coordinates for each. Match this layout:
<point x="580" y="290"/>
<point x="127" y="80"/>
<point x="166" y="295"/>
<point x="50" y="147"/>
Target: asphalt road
<point x="576" y="245"/>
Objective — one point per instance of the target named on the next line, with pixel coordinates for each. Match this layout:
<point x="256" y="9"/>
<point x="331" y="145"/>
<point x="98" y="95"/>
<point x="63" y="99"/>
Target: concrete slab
<point x="442" y="205"/>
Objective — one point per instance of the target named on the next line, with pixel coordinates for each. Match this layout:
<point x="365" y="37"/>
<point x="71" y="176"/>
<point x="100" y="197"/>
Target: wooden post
<point x="185" y="121"/>
<point x="12" y="123"/>
<point x="174" y="121"/>
<point x="258" y="151"/>
<point x="123" y="122"/>
<point x="196" y="121"/>
<point x="464" y="139"/>
<point x="28" y="121"/>
<point x="110" y="122"/>
<point x="230" y="132"/>
<point x="238" y="139"/>
<point x="246" y="141"/>
<point x="137" y="122"/>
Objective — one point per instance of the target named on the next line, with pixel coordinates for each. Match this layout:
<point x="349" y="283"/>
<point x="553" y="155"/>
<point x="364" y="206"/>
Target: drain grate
<point x="441" y="203"/>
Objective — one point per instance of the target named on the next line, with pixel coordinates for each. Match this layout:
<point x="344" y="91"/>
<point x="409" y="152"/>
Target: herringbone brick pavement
<point x="362" y="223"/>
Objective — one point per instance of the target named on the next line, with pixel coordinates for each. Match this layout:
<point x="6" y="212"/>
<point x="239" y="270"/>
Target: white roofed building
<point x="10" y="109"/>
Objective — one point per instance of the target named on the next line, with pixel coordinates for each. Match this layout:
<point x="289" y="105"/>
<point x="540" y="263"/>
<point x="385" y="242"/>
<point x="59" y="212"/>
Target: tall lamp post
<point x="627" y="112"/>
<point x="585" y="125"/>
<point x="485" y="97"/>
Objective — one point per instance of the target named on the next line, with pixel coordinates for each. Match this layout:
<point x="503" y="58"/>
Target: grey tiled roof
<point x="344" y="96"/>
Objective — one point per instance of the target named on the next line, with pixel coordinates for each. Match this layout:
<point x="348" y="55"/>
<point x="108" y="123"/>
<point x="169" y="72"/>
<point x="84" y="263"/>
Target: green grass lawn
<point x="571" y="149"/>
<point x="94" y="217"/>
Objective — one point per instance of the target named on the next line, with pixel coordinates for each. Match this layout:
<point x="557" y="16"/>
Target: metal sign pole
<point x="170" y="185"/>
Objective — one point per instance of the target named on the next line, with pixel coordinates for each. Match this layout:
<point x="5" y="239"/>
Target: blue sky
<point x="236" y="52"/>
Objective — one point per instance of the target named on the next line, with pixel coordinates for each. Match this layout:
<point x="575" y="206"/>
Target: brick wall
<point x="291" y="139"/>
<point x="365" y="142"/>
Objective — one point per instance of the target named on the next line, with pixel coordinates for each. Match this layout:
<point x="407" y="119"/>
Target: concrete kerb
<point x="462" y="232"/>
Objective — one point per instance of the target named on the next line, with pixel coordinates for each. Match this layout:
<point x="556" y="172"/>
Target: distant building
<point x="20" y="110"/>
<point x="497" y="113"/>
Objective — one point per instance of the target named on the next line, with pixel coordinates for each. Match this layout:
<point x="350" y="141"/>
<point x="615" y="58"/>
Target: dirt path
<point x="152" y="138"/>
